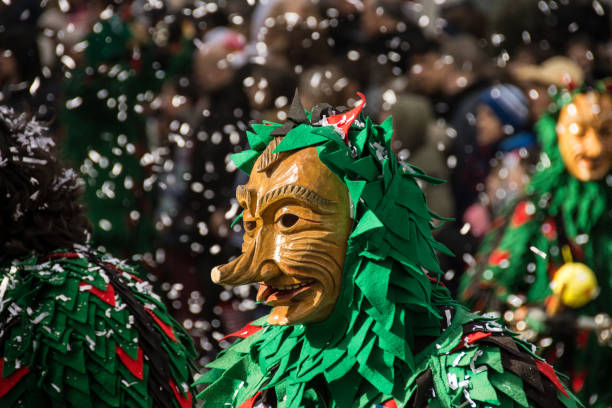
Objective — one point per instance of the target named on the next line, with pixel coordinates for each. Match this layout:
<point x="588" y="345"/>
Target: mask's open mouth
<point x="592" y="163"/>
<point x="273" y="296"/>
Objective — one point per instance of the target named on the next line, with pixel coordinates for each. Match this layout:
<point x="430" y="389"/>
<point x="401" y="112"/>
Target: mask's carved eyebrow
<point x="244" y="197"/>
<point x="314" y="200"/>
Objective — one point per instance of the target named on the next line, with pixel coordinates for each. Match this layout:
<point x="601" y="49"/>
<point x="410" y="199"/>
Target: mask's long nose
<point x="233" y="273"/>
<point x="237" y="272"/>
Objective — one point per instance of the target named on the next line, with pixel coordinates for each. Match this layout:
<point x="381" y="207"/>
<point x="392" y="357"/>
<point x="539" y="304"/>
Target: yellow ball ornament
<point x="575" y="283"/>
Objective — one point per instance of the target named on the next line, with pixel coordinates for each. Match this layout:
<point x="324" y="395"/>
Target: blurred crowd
<point x="149" y="99"/>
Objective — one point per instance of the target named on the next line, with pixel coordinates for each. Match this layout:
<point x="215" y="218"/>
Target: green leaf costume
<point x="106" y="135"/>
<point x="81" y="329"/>
<point x="395" y="336"/>
<point x="519" y="257"/>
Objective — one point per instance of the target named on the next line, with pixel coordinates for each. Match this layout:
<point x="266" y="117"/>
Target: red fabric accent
<point x="498" y="256"/>
<point x="6" y="384"/>
<point x="344" y="120"/>
<point x="390" y="404"/>
<point x="549" y="229"/>
<point x="550" y="355"/>
<point x="471" y="338"/>
<point x="475" y="336"/>
<point x="136" y="63"/>
<point x="520" y="216"/>
<point x="549" y="372"/>
<point x="551" y="269"/>
<point x="582" y="338"/>
<point x="243" y="333"/>
<point x="61" y="255"/>
<point x="577" y="251"/>
<point x="183" y="400"/>
<point x="434" y="280"/>
<point x="136" y="278"/>
<point x="107" y="295"/>
<point x="250" y="402"/>
<point x="497" y="222"/>
<point x="568" y="81"/>
<point x="120" y="272"/>
<point x="165" y="327"/>
<point x="135" y="366"/>
<point x="578" y="378"/>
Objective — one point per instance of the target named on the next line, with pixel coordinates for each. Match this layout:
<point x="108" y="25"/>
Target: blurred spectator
<point x="464" y="18"/>
<point x="21" y="84"/>
<point x="289" y="34"/>
<point x="269" y="90"/>
<point x="502" y="111"/>
<point x="453" y="75"/>
<point x="326" y="84"/>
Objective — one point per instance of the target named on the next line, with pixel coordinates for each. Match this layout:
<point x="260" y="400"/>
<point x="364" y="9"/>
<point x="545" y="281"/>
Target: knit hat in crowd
<point x="509" y="104"/>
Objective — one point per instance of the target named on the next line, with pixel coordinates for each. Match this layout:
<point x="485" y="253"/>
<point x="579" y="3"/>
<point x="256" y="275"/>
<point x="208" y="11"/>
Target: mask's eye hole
<point x="250" y="225"/>
<point x="288" y="220"/>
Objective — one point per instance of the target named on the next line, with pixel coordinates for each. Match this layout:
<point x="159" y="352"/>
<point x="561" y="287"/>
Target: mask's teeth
<point x="294" y="286"/>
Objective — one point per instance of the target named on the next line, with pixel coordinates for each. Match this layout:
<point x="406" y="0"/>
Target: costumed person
<point x="78" y="327"/>
<point x="338" y="236"/>
<point x="108" y="90"/>
<point x="546" y="266"/>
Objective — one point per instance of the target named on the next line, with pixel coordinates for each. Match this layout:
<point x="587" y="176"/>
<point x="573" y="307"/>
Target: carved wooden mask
<point x="297" y="222"/>
<point x="584" y="129"/>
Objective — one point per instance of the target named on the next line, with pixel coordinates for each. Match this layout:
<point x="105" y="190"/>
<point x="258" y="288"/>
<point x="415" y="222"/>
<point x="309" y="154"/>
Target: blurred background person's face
<point x="212" y="71"/>
<point x="428" y="72"/>
<point x="292" y="35"/>
<point x="489" y="129"/>
<point x="257" y="91"/>
<point x="8" y="67"/>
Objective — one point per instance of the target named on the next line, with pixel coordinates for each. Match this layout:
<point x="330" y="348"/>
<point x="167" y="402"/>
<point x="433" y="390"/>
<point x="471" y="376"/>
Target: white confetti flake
<point x="598" y="8"/>
<point x="40" y="317"/>
<point x="3" y="287"/>
<point x="35" y="85"/>
<point x="68" y="62"/>
<point x="459" y="357"/>
<point x="74" y="103"/>
<point x="473" y="367"/>
<point x="538" y="252"/>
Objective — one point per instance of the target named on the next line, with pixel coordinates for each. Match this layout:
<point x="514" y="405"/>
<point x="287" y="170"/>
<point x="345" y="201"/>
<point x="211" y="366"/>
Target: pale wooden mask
<point x="584" y="129"/>
<point x="297" y="222"/>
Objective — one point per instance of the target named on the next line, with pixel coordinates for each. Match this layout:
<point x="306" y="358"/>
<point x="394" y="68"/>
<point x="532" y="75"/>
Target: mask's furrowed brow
<point x="314" y="200"/>
<point x="244" y="197"/>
